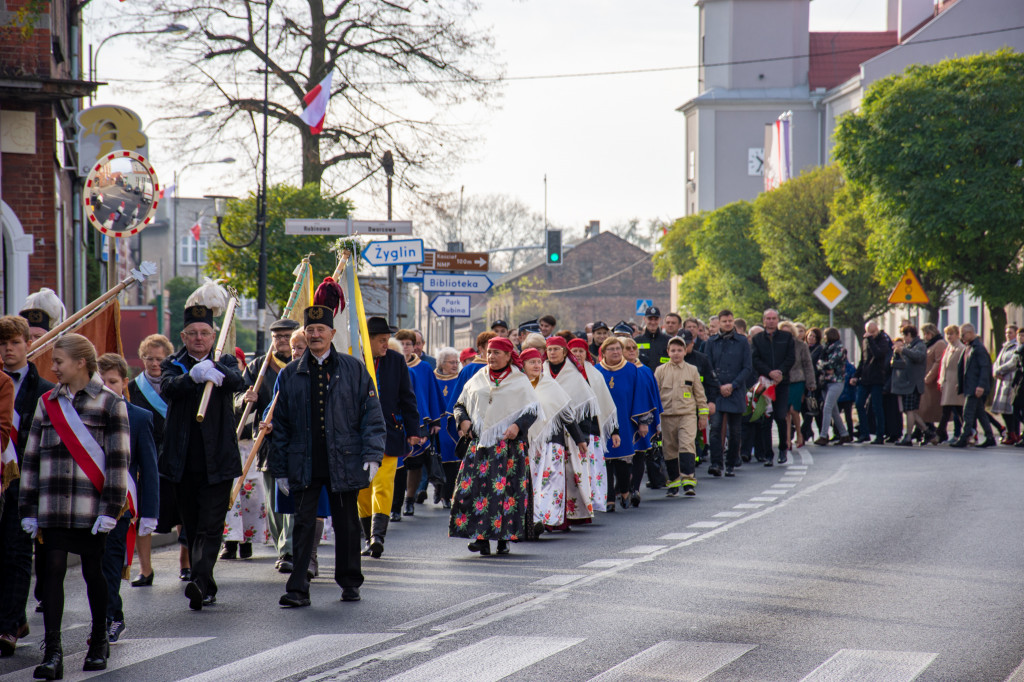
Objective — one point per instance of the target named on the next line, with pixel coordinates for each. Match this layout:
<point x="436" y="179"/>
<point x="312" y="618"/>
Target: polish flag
<point x="195" y="231"/>
<point x="316" y="105"/>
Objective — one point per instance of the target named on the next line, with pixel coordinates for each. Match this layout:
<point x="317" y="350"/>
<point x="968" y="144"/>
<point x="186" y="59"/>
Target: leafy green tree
<point x="938" y="152"/>
<point x="240" y="266"/>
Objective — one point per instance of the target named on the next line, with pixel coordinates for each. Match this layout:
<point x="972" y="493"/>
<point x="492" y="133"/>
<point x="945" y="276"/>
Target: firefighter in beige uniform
<point x="685" y="411"/>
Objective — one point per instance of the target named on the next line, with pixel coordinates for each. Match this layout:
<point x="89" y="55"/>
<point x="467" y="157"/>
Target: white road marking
<point x="642" y="549"/>
<point x="728" y="515"/>
<point x="559" y="579"/>
<point x="290" y="659"/>
<point x="607" y="563"/>
<point x="1017" y="675"/>
<point x="784" y="486"/>
<point x="706" y="524"/>
<point x="489" y="660"/>
<point x="805" y="456"/>
<point x="678" y="536"/>
<point x="747" y="505"/>
<point x="878" y="666"/>
<point x="473" y="618"/>
<point x="438" y="615"/>
<point x="125" y="653"/>
<point x="763" y="499"/>
<point x="677" y="661"/>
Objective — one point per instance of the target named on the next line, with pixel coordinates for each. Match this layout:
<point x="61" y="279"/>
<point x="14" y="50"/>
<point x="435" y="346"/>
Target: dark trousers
<point x="974" y="411"/>
<point x="749" y="431"/>
<point x="954" y="413"/>
<point x="636" y="475"/>
<point x="113" y="564"/>
<point x="780" y="406"/>
<point x="451" y="472"/>
<point x="734" y="424"/>
<point x="15" y="564"/>
<point x="874" y="393"/>
<point x="203" y="507"/>
<point x="620" y="474"/>
<point x="401" y="482"/>
<point x="54" y="555"/>
<point x="846" y="408"/>
<point x="344" y="519"/>
<point x="893" y="421"/>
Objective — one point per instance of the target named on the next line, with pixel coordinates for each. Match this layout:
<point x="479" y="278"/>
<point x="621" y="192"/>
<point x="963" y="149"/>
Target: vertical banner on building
<point x="778" y="152"/>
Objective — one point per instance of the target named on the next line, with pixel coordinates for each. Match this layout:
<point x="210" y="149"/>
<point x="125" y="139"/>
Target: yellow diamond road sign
<point x="831" y="292"/>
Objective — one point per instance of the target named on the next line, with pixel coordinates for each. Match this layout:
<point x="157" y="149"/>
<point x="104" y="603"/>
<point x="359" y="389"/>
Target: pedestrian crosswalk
<point x="494" y="658"/>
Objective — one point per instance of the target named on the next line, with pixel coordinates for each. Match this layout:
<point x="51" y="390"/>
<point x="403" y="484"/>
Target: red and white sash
<point x="87" y="453"/>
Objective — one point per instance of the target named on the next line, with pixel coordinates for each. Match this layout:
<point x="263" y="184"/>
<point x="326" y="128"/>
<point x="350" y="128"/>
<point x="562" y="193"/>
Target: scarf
<point x="415" y="361"/>
<point x="610" y="368"/>
<point x="556" y="407"/>
<point x="155" y="383"/>
<point x="607" y="415"/>
<point x="497" y="376"/>
<point x="493" y="407"/>
<point x="728" y="335"/>
<point x="444" y="377"/>
<point x="584" y="401"/>
<point x="279" y="362"/>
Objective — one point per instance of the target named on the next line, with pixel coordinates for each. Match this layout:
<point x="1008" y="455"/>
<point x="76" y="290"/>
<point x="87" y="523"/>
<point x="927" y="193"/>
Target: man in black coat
<point x="773" y="355"/>
<point x="975" y="374"/>
<point x="729" y="353"/>
<point x="15" y="544"/>
<point x="870" y="379"/>
<point x="328" y="430"/>
<point x="402" y="421"/>
<point x="280" y="525"/>
<point x="652" y="342"/>
<point x="200" y="458"/>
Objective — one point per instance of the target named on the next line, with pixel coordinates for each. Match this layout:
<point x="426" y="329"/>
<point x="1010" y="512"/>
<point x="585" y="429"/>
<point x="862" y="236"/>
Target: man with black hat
<point x="280" y="524"/>
<point x="402" y="421"/>
<point x="201" y="458"/>
<point x="500" y="327"/>
<point x="328" y="430"/>
<point x="652" y="342"/>
<point x="599" y="331"/>
<point x="42" y="310"/>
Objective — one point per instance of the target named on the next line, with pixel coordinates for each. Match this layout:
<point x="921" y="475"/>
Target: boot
<point x="245" y="550"/>
<point x="378" y="529"/>
<point x="52" y="667"/>
<point x="365" y="522"/>
<point x="99" y="650"/>
<point x="672" y="468"/>
<point x="230" y="551"/>
<point x="410" y="507"/>
<point x="314" y="565"/>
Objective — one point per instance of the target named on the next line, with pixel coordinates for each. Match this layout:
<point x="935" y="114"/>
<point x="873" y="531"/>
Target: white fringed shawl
<point x="608" y="415"/>
<point x="584" y="400"/>
<point x="493" y="409"/>
<point x="556" y="405"/>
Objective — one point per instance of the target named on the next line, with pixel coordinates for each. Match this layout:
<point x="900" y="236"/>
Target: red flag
<point x="195" y="231"/>
<point x="316" y="105"/>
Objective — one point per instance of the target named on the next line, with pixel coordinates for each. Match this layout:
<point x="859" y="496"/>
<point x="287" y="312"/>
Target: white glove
<point x="30" y="526"/>
<point x="147" y="526"/>
<point x="371" y="468"/>
<point x="215" y="375"/>
<point x="104" y="524"/>
<point x="282" y="485"/>
<point x="198" y="372"/>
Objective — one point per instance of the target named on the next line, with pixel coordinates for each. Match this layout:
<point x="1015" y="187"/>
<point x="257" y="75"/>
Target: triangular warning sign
<point x="908" y="290"/>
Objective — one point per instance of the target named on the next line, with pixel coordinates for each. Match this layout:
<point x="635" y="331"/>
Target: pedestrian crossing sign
<point x="642" y="304"/>
<point x="908" y="290"/>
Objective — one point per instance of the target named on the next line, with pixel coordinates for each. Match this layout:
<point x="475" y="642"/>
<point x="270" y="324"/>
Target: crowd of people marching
<point x="534" y="430"/>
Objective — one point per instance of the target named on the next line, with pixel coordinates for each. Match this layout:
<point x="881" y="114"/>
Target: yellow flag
<point x="303" y="291"/>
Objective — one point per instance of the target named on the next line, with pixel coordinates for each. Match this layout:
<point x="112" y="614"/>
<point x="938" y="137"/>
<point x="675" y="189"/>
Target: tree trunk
<point x="995" y="335"/>
<point x="312" y="169"/>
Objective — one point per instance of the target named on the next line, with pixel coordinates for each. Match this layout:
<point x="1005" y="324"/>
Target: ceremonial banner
<point x="104" y="331"/>
<point x="778" y="152"/>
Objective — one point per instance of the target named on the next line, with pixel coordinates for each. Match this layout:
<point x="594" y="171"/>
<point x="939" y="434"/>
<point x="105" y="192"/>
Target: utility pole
<point x="387" y="162"/>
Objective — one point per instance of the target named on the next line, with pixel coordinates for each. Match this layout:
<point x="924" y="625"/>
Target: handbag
<point x="811" y="405"/>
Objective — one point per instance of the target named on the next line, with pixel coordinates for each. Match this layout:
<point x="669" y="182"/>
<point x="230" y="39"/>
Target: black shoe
<point x="209" y="600"/>
<point x="769" y="463"/>
<point x="609" y="507"/>
<point x="350" y="594"/>
<point x="745" y="458"/>
<point x="195" y="596"/>
<point x="230" y="552"/>
<point x="366" y="548"/>
<point x="783" y="458"/>
<point x="863" y="439"/>
<point x="892" y="439"/>
<point x="960" y="442"/>
<point x="285" y="564"/>
<point x="245" y="550"/>
<point x="672" y="492"/>
<point x="878" y="441"/>
<point x="905" y="442"/>
<point x="623" y="502"/>
<point x="114" y="630"/>
<point x="482" y="546"/>
<point x="99" y="651"/>
<point x="293" y="599"/>
<point x="843" y="440"/>
<point x="52" y="667"/>
<point x="634" y="499"/>
<point x="376" y="546"/>
<point x="410" y="507"/>
<point x="421" y="497"/>
<point x="143" y="580"/>
<point x="503" y="547"/>
<point x="396" y="516"/>
<point x="185" y="575"/>
<point x="689" y="489"/>
<point x="729" y="472"/>
<point x="989" y="443"/>
<point x="447" y="504"/>
<point x="714" y="471"/>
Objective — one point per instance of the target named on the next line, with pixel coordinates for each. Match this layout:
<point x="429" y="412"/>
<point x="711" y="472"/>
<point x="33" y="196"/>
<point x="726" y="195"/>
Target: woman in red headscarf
<point x="494" y="411"/>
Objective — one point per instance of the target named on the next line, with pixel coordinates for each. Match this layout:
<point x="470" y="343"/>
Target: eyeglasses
<point x="152" y="358"/>
<point x="202" y="335"/>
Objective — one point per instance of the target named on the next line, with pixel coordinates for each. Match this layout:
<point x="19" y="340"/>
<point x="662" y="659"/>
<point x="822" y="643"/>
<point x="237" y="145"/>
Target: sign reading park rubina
<point x="121" y="194"/>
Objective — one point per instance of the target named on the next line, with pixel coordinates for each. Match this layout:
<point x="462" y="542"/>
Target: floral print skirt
<point x="247" y="519"/>
<point x="492" y="493"/>
<point x="547" y="471"/>
<point x="593" y="468"/>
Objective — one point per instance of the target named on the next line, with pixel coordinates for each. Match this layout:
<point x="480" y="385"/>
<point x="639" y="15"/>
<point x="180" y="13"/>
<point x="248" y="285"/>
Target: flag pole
<point x="256" y="445"/>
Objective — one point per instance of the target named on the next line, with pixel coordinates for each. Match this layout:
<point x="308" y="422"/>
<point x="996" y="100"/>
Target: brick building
<point x="600" y="278"/>
<point x="41" y="237"/>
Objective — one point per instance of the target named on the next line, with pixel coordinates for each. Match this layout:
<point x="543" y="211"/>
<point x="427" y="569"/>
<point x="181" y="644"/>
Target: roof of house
<point x="836" y="56"/>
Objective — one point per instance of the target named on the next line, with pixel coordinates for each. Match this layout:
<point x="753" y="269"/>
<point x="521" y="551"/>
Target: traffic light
<point x="554" y="247"/>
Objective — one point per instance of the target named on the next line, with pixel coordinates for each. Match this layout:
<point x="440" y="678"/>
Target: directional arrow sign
<point x="398" y="252"/>
<point x="450" y="306"/>
<point x="460" y="260"/>
<point x="459" y="284"/>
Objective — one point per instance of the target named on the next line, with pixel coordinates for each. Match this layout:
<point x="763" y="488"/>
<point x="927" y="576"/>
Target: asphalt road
<point x="113" y="197"/>
<point x="852" y="563"/>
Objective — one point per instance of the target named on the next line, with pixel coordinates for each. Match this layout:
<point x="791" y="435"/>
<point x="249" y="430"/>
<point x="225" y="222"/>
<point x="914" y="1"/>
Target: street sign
<point x="413" y="274"/>
<point x="642" y="304"/>
<point x="458" y="261"/>
<point x="908" y="290"/>
<point x="344" y="227"/>
<point x="457" y="284"/>
<point x="450" y="306"/>
<point x="398" y="252"/>
<point x="831" y="292"/>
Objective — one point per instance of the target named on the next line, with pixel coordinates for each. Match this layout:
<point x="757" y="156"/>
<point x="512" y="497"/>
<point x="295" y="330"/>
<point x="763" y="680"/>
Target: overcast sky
<point x="611" y="146"/>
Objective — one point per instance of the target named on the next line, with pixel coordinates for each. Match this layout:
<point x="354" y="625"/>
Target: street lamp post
<point x="204" y="113"/>
<point x="174" y="210"/>
<point x="94" y="56"/>
<point x="387" y="162"/>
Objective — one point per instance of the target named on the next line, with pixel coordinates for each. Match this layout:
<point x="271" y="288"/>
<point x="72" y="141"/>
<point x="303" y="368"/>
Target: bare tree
<point x="398" y="67"/>
<point x="644" y="236"/>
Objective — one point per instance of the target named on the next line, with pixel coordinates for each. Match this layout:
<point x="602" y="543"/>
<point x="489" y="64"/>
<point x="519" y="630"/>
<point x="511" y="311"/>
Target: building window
<point x="247" y="309"/>
<point x="943" y="318"/>
<point x="974" y="318"/>
<point x="190" y="251"/>
<point x="691" y="166"/>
